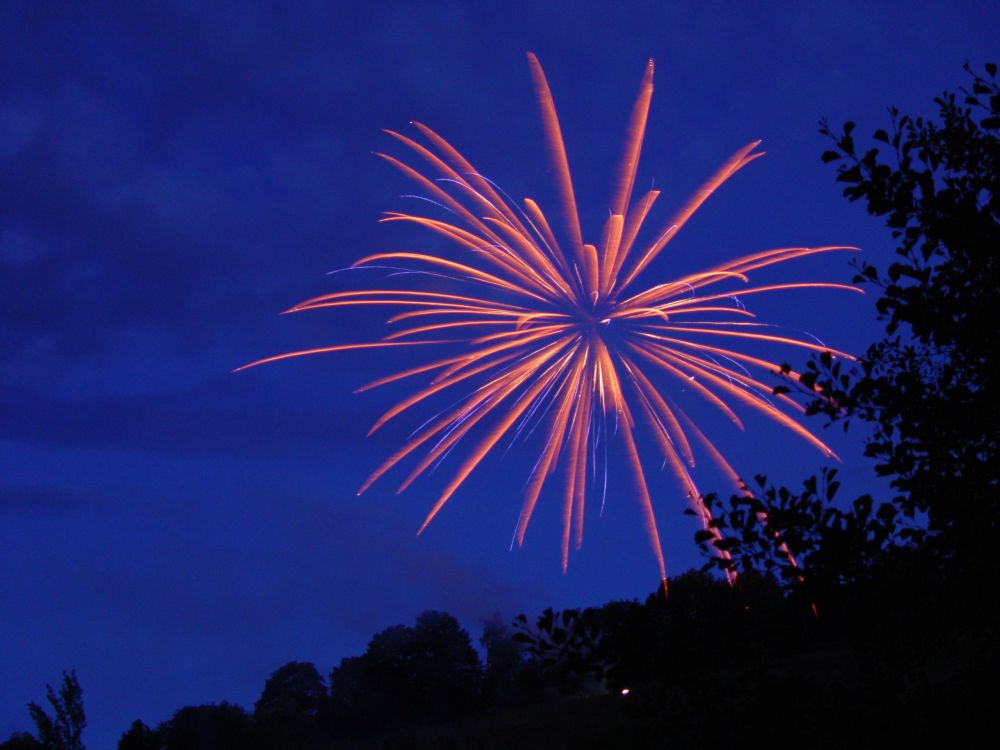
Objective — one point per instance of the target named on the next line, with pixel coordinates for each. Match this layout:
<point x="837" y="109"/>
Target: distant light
<point x="625" y="691"/>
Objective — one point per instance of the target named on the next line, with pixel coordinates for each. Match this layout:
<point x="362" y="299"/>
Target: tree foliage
<point x="291" y="709"/>
<point x="222" y="726"/>
<point x="805" y="541"/>
<point x="63" y="729"/>
<point x="569" y="649"/>
<point x="21" y="741"/>
<point x="139" y="737"/>
<point x="504" y="659"/>
<point x="415" y="674"/>
<point x="927" y="390"/>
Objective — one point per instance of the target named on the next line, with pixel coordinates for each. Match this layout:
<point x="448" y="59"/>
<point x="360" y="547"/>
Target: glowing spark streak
<point x="633" y="222"/>
<point x="580" y="484"/>
<point x="442" y="326"/>
<point x="633" y="144"/>
<point x="491" y="439"/>
<point x="466" y="168"/>
<point x="574" y="478"/>
<point x="555" y="441"/>
<point x="558" y="328"/>
<point x="484" y="393"/>
<point x="556" y="358"/>
<point x="687" y="285"/>
<point x="669" y="452"/>
<point x="450" y="174"/>
<point x="458" y="305"/>
<point x="661" y="410"/>
<point x="468" y="359"/>
<point x="645" y="501"/>
<point x="736" y="162"/>
<point x="758" y="336"/>
<point x="536" y="409"/>
<point x="541" y="226"/>
<point x="460" y="267"/>
<point x="750" y="400"/>
<point x="729" y="354"/>
<point x="432" y="389"/>
<point x="539" y="261"/>
<point x="493" y="250"/>
<point x="328" y="349"/>
<point x="735" y="378"/>
<point x="610" y="243"/>
<point x="655" y="357"/>
<point x="740" y="486"/>
<point x="557" y="152"/>
<point x="761" y="289"/>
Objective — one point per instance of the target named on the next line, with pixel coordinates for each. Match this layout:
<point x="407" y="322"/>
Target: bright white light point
<point x="625" y="691"/>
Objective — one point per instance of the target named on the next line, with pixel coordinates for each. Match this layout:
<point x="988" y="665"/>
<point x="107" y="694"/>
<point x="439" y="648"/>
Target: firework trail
<point x="551" y="334"/>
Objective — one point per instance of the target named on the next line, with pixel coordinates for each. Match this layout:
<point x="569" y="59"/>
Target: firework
<point x="548" y="332"/>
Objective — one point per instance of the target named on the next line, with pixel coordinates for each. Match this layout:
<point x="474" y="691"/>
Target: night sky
<point x="172" y="177"/>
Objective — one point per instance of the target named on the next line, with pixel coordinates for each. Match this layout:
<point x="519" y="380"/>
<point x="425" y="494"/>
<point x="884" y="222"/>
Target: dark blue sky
<point x="172" y="178"/>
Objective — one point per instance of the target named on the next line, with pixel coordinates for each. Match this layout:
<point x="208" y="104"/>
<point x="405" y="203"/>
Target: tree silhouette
<point x="21" y="741"/>
<point x="62" y="730"/>
<point x="421" y="674"/>
<point x="221" y="726"/>
<point x="290" y="711"/>
<point x="928" y="390"/>
<point x="820" y="547"/>
<point x="139" y="737"/>
<point x="504" y="658"/>
<point x="930" y="387"/>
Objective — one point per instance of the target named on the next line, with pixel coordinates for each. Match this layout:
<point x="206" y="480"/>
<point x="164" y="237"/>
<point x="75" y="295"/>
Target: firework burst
<point x="549" y="333"/>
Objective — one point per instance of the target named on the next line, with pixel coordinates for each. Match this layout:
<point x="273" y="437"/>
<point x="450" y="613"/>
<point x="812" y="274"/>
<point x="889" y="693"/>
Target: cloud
<point x="139" y="187"/>
<point x="42" y="499"/>
<point x="228" y="415"/>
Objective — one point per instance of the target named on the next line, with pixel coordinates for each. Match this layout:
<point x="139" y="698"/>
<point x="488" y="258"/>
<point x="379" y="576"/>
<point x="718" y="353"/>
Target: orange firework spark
<point x="553" y="334"/>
